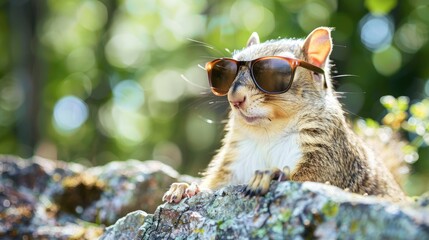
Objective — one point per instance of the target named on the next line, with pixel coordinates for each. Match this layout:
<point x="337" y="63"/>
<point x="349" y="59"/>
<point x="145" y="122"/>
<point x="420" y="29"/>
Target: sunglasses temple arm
<point x="315" y="69"/>
<point x="325" y="83"/>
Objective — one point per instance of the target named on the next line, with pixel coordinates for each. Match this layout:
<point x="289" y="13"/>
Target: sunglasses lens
<point x="273" y="75"/>
<point x="222" y="73"/>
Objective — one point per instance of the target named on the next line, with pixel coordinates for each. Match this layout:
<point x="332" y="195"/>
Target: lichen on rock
<point x="47" y="199"/>
<point x="33" y="206"/>
<point x="290" y="210"/>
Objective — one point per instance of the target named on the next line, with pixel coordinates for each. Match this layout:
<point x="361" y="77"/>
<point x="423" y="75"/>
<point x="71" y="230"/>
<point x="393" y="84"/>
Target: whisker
<point x="351" y="113"/>
<point x="338" y="45"/>
<point x="215" y="121"/>
<point x="205" y="102"/>
<point x="209" y="57"/>
<point x="201" y="43"/>
<point x="193" y="84"/>
<point x="207" y="120"/>
<point x="344" y="75"/>
<point x="342" y="92"/>
<point x="200" y="66"/>
<point x="215" y="102"/>
<point x="206" y="45"/>
<point x="343" y="95"/>
<point x="205" y="93"/>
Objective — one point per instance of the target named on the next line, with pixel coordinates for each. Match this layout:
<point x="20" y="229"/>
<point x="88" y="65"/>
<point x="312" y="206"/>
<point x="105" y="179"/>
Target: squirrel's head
<point x="270" y="91"/>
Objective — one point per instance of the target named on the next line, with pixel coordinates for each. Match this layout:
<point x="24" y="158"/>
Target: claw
<point x="286" y="171"/>
<point x="258" y="191"/>
<point x="284" y="175"/>
<point x="178" y="191"/>
<point x="260" y="182"/>
<point x="192" y="190"/>
<point x="251" y="194"/>
<point x="247" y="192"/>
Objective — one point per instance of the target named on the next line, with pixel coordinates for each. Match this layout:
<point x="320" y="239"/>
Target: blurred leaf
<point x="380" y="6"/>
<point x="403" y="103"/>
<point x="420" y="110"/>
<point x="371" y="123"/>
<point x="388" y="102"/>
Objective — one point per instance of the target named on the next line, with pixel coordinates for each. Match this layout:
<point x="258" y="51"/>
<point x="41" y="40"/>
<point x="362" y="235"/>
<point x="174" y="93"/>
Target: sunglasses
<point x="271" y="75"/>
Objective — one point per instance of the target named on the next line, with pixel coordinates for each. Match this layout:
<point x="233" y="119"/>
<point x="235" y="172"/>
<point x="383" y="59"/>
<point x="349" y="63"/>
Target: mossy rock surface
<point x="290" y="210"/>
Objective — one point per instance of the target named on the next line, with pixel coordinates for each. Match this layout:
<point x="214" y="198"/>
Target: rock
<point x="126" y="227"/>
<point x="45" y="199"/>
<point x="24" y="202"/>
<point x="130" y="185"/>
<point x="290" y="210"/>
<point x="41" y="198"/>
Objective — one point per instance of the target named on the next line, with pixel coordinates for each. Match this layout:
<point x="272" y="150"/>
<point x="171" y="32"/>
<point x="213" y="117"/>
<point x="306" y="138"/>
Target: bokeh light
<point x="128" y="94"/>
<point x="255" y="18"/>
<point x="314" y="14"/>
<point x="81" y="59"/>
<point x="92" y="15"/>
<point x="11" y="99"/>
<point x="168" y="86"/>
<point x="78" y="84"/>
<point x="410" y="37"/>
<point x="128" y="127"/>
<point x="376" y="31"/>
<point x="11" y="95"/>
<point x="387" y="61"/>
<point x="125" y="50"/>
<point x="70" y="113"/>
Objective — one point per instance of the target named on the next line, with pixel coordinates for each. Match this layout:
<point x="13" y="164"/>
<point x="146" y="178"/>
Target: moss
<point x="261" y="232"/>
<point x="225" y="224"/>
<point x="330" y="209"/>
<point x="285" y="215"/>
<point x="277" y="228"/>
<point x="199" y="231"/>
<point x="354" y="226"/>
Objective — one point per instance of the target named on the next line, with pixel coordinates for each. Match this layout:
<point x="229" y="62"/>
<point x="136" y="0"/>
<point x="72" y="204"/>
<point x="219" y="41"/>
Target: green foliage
<point x="417" y="124"/>
<point x="396" y="110"/>
<point x="411" y="121"/>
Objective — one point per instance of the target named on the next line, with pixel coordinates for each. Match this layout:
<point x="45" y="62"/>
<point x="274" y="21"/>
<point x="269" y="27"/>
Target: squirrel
<point x="299" y="135"/>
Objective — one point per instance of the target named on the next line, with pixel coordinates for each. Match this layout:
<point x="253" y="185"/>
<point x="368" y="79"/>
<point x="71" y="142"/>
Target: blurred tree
<point x="101" y="80"/>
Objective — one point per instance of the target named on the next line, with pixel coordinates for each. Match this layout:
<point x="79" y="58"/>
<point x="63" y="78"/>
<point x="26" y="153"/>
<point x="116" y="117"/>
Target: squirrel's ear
<point x="318" y="46"/>
<point x="254" y="39"/>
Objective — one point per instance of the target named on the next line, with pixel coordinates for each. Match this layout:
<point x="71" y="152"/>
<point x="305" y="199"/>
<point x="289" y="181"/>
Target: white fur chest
<point x="264" y="155"/>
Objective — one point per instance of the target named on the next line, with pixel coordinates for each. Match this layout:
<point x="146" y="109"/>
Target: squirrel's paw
<point x="178" y="191"/>
<point x="260" y="182"/>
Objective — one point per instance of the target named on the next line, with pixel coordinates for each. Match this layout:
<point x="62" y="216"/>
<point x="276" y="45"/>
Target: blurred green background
<point x="93" y="81"/>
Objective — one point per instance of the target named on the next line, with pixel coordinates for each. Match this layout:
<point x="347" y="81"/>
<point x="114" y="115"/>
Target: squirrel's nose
<point x="237" y="101"/>
<point x="237" y="94"/>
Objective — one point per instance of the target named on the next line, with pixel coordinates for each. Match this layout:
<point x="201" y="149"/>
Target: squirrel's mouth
<point x="252" y="119"/>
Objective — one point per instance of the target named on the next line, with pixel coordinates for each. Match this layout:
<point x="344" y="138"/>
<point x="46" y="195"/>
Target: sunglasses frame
<point x="294" y="63"/>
